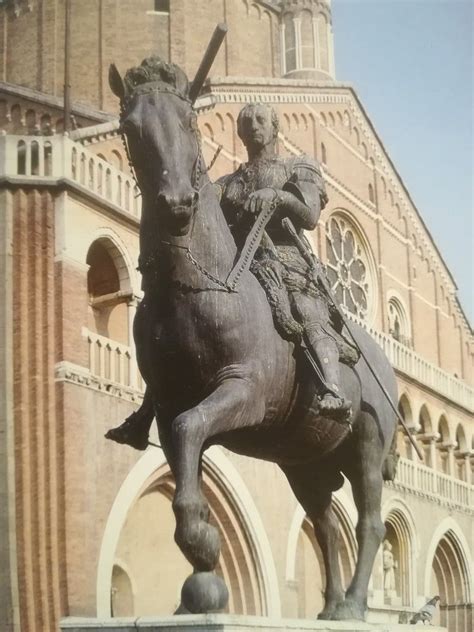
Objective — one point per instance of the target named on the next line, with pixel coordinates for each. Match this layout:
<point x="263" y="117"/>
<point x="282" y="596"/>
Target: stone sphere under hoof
<point x="204" y="592"/>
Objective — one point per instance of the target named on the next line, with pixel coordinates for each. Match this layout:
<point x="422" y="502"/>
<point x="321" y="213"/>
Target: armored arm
<point x="304" y="195"/>
<point x="301" y="198"/>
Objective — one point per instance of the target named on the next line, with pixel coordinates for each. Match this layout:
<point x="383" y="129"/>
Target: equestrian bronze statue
<point x="230" y="317"/>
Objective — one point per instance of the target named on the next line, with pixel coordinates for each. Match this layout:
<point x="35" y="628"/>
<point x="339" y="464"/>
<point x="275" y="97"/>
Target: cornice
<point x="41" y="98"/>
<point x="16" y="182"/>
<point x="80" y="376"/>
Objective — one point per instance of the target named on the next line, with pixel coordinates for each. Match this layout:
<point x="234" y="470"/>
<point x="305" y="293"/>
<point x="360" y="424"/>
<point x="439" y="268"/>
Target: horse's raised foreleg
<point x="365" y="475"/>
<point x="314" y="492"/>
<point x="233" y="404"/>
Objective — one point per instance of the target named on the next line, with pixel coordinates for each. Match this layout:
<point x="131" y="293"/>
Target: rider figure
<point x="295" y="188"/>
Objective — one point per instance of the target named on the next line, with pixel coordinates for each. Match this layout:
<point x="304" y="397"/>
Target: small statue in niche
<point x="389" y="567"/>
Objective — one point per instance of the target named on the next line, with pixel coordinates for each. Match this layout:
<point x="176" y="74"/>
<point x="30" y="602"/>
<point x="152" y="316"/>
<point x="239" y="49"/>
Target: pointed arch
<point x="146" y="473"/>
<point x="401" y="532"/>
<point x="449" y="568"/>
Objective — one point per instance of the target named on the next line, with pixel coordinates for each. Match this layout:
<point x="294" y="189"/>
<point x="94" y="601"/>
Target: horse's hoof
<point x="349" y="611"/>
<point x="204" y="592"/>
<point x="327" y="614"/>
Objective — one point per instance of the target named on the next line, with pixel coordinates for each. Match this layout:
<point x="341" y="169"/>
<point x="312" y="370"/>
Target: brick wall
<point x="37" y="433"/>
<point x="106" y="31"/>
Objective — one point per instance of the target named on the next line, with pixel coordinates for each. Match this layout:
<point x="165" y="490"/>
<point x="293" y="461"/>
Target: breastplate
<point x="250" y="178"/>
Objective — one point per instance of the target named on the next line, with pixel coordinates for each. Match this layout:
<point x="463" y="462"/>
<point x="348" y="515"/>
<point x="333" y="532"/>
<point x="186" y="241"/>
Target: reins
<point x="253" y="239"/>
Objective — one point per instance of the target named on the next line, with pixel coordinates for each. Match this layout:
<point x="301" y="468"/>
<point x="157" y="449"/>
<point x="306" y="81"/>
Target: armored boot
<point x="135" y="429"/>
<point x="325" y="349"/>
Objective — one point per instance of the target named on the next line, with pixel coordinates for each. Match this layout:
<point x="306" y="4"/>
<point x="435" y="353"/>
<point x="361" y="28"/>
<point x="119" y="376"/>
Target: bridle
<point x="196" y="179"/>
<point x="254" y="236"/>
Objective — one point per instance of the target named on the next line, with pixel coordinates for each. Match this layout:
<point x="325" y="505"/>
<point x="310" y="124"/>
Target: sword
<point x="309" y="257"/>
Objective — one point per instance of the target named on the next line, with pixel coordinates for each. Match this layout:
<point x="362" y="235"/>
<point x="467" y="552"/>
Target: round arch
<point x="153" y="463"/>
<point x="405" y="408"/>
<point x="116" y="248"/>
<point x="444" y="429"/>
<point x="122" y="582"/>
<point x="424" y="420"/>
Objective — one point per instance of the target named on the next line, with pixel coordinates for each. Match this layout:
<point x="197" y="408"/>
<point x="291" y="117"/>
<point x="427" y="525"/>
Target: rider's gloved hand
<point x="260" y="200"/>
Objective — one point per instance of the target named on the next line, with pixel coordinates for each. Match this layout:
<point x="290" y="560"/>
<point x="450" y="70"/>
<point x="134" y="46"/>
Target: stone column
<point x="132" y="310"/>
<point x="298" y="51"/>
<point x="429" y="444"/>
<point x="448" y="449"/>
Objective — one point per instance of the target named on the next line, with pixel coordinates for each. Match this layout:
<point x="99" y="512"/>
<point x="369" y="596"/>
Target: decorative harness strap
<point x="251" y="243"/>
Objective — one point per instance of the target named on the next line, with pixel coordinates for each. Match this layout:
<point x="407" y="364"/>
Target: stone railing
<point x="58" y="157"/>
<point x="113" y="362"/>
<point x="439" y="487"/>
<point x="413" y="365"/>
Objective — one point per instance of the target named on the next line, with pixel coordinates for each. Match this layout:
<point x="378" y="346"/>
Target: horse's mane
<point x="155" y="70"/>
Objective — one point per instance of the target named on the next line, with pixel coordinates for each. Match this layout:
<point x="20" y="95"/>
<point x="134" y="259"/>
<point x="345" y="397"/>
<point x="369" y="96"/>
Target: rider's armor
<point x="298" y="303"/>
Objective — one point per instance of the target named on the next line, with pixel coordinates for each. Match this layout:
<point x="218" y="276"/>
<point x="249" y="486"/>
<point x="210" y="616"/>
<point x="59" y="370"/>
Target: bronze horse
<point x="216" y="370"/>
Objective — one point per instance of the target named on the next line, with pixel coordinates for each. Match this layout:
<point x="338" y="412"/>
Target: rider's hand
<point x="260" y="200"/>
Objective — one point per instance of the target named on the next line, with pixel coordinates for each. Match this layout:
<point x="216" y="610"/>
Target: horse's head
<point x="160" y="126"/>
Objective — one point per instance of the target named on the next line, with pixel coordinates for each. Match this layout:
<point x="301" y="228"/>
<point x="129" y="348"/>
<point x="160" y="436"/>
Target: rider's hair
<point x="249" y="108"/>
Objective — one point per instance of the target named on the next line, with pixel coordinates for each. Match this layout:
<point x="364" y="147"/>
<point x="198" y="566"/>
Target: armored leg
<point x="314" y="316"/>
<point x="267" y="268"/>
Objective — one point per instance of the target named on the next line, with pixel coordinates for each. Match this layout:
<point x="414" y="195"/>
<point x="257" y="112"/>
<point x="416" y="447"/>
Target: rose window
<point x="347" y="267"/>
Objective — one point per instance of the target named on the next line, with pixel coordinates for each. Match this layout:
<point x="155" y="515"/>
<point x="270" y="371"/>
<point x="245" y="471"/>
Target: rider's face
<point x="256" y="128"/>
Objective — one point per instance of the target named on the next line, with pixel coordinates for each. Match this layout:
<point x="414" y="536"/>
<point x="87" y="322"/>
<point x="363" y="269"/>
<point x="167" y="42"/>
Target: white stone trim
<point x="150" y="463"/>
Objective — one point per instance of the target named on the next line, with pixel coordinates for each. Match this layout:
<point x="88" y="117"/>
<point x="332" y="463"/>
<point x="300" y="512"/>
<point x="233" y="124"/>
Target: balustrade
<point x="419" y="478"/>
<point x="60" y="157"/>
<point x="409" y="362"/>
<point x="113" y="362"/>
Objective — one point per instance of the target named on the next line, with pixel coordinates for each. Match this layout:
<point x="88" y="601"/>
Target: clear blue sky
<point x="411" y="63"/>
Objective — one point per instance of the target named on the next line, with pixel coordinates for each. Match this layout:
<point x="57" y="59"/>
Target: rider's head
<point x="257" y="125"/>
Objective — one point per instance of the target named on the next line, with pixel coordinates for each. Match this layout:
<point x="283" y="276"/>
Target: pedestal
<point x="227" y="623"/>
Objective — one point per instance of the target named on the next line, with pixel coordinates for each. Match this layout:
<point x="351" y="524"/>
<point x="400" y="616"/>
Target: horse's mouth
<point x="179" y="220"/>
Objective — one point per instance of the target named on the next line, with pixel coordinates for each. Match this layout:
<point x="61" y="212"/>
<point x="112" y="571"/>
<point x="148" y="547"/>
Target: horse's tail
<point x="389" y="466"/>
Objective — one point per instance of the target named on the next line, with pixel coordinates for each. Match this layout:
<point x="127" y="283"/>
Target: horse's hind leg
<point x="365" y="475"/>
<point x="314" y="492"/>
<point x="234" y="404"/>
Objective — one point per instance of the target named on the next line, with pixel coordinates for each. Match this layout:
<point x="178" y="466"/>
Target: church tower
<point x="307" y="39"/>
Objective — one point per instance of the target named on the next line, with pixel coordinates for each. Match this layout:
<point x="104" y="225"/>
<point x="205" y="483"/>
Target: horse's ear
<point x="116" y="82"/>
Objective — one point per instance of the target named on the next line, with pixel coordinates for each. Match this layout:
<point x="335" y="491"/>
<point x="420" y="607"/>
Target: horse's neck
<point x="209" y="240"/>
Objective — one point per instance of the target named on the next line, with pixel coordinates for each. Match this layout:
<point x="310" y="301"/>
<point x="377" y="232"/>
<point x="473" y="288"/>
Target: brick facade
<point x="64" y="487"/>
